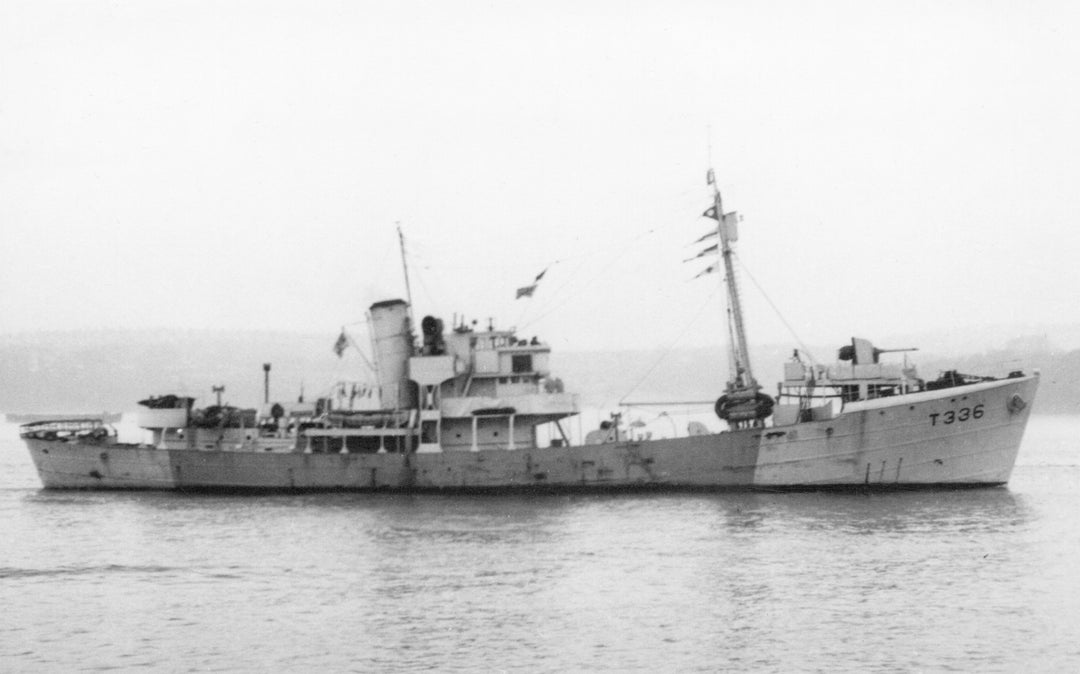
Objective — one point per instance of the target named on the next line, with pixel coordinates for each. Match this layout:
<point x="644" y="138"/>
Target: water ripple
<point x="14" y="573"/>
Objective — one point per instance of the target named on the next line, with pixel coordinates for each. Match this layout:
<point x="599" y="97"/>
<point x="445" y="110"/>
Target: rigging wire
<point x="562" y="293"/>
<point x="613" y="258"/>
<point x="427" y="291"/>
<point x="668" y="349"/>
<point x="355" y="345"/>
<point x="421" y="268"/>
<point x="803" y="348"/>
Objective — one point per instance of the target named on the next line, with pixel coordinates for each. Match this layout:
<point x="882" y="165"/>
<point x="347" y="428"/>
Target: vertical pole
<point x="266" y="382"/>
<point x="405" y="268"/>
<point x="742" y="376"/>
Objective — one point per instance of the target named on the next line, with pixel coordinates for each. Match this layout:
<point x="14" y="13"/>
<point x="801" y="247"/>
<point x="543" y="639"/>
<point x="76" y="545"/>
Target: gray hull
<point x="968" y="435"/>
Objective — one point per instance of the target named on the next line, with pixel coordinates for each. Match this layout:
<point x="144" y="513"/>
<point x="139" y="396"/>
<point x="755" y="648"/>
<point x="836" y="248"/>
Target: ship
<point x="468" y="409"/>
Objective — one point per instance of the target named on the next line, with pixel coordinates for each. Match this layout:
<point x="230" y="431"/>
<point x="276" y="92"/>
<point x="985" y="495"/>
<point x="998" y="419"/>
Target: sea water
<point x="972" y="580"/>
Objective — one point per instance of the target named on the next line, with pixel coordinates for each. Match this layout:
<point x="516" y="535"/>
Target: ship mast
<point x="405" y="269"/>
<point x="743" y="405"/>
<point x="741" y="377"/>
<point x="404" y="263"/>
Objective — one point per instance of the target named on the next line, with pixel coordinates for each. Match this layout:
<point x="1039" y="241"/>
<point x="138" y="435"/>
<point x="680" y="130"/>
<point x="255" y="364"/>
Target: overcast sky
<point x="900" y="166"/>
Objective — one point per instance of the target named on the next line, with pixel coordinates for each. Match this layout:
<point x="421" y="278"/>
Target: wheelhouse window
<point x="521" y="362"/>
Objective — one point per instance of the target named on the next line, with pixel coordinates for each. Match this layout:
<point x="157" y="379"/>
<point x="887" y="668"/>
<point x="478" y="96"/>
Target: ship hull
<point x="967" y="435"/>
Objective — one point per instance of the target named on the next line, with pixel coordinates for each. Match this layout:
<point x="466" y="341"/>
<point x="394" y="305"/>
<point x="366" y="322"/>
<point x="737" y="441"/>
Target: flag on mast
<point x="341" y="344"/>
<point x="527" y="291"/>
<point x="708" y="270"/>
<point x="703" y="253"/>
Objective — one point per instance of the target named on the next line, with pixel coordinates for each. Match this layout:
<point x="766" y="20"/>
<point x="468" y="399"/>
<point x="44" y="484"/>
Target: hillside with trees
<point x="67" y="372"/>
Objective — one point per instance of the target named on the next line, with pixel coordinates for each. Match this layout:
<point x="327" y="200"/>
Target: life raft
<point x="748" y="406"/>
